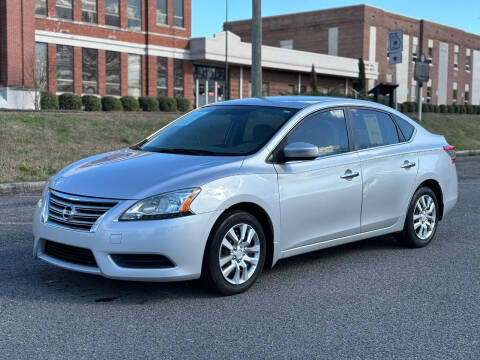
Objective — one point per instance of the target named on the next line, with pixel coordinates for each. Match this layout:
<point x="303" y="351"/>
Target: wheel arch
<point x="437" y="189"/>
<point x="262" y="216"/>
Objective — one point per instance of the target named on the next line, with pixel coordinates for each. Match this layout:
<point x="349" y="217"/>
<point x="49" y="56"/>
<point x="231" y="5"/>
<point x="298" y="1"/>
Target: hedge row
<point x="49" y="101"/>
<point x="410" y="106"/>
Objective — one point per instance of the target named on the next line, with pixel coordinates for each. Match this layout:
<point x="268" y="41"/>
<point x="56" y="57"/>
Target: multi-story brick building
<point x="361" y="31"/>
<point x="141" y="47"/>
<point x="104" y="47"/>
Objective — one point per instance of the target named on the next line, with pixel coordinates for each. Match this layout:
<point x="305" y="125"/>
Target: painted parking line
<point x="15" y="223"/>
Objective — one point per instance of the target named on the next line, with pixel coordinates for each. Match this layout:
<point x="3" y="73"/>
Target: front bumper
<point x="182" y="240"/>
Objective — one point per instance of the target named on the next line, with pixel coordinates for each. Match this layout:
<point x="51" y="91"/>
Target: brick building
<point x="361" y="31"/>
<point x="103" y="47"/>
<point x="141" y="47"/>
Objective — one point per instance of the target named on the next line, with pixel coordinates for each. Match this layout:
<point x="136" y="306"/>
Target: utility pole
<point x="420" y="84"/>
<point x="256" y="48"/>
<point x="227" y="85"/>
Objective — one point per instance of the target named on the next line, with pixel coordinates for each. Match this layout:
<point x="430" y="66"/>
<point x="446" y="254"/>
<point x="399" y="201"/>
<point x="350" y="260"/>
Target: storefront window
<point x="41" y="66"/>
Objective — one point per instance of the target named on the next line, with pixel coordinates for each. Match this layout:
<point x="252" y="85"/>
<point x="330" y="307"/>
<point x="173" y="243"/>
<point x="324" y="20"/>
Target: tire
<point x="419" y="232"/>
<point x="224" y="255"/>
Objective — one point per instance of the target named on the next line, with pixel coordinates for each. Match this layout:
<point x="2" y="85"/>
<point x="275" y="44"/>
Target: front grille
<point x="76" y="212"/>
<point x="69" y="253"/>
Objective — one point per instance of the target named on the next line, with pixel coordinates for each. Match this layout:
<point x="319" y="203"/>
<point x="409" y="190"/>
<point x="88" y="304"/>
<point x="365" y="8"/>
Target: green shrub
<point x="435" y="108"/>
<point x="400" y="107"/>
<point x="167" y="104"/>
<point x="451" y="109"/>
<point x="129" y="103"/>
<point x="91" y="103"/>
<point x="443" y="108"/>
<point x="148" y="103"/>
<point x="461" y="109"/>
<point x="477" y="109"/>
<point x="410" y="106"/>
<point x="48" y="101"/>
<point x="110" y="103"/>
<point x="183" y="104"/>
<point x="469" y="109"/>
<point x="69" y="101"/>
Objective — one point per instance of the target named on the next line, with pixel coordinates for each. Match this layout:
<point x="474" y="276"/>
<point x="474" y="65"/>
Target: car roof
<point x="297" y="102"/>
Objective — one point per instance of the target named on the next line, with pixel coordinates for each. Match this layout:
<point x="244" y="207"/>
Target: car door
<point x="320" y="199"/>
<point x="389" y="167"/>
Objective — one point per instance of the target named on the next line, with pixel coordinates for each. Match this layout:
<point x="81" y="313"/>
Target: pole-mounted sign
<point x="421" y="71"/>
<point x="395" y="46"/>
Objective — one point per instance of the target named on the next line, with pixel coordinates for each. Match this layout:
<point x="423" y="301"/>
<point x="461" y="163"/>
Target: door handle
<point x="349" y="174"/>
<point x="407" y="164"/>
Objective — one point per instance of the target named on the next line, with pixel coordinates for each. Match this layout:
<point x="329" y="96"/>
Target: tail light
<point x="451" y="152"/>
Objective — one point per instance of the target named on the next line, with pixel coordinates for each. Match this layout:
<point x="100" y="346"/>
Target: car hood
<point x="132" y="174"/>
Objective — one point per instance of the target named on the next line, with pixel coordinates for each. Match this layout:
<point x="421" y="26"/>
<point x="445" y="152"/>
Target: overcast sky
<point x="209" y="15"/>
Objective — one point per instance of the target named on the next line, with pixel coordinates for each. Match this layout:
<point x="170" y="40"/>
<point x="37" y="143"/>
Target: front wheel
<point x="235" y="253"/>
<point x="422" y="219"/>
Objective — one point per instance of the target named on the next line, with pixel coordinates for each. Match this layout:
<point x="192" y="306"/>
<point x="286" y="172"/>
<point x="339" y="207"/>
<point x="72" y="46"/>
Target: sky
<point x="209" y="15"/>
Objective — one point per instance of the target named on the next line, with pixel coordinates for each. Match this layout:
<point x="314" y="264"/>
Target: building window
<point x="291" y="89"/>
<point x="455" y="57"/>
<point x="429" y="92"/>
<point x="178" y="78"/>
<point x="90" y="71"/>
<point x="134" y="12"/>
<point x="112" y="12"/>
<point x="162" y="12"/>
<point x="413" y="95"/>
<point x="113" y="72"/>
<point x="162" y="76"/>
<point x="134" y="75"/>
<point x="178" y="13"/>
<point x="430" y="51"/>
<point x="265" y="89"/>
<point x="89" y="11"/>
<point x="455" y="93"/>
<point x="41" y="7"/>
<point x="286" y="44"/>
<point x="41" y="67"/>
<point x="65" y="68"/>
<point x="466" y="96"/>
<point x="415" y="49"/>
<point x="65" y="9"/>
<point x="468" y="60"/>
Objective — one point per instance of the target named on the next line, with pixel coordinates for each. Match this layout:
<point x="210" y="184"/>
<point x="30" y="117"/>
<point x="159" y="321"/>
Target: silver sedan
<point x="231" y="188"/>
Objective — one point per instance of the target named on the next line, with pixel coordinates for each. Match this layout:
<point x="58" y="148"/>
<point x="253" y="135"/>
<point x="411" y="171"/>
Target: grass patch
<point x="460" y="130"/>
<point x="35" y="146"/>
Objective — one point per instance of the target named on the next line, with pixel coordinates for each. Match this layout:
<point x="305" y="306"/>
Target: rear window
<point x="373" y="128"/>
<point x="406" y="128"/>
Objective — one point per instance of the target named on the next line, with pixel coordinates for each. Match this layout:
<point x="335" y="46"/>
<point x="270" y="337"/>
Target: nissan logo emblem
<point x="68" y="212"/>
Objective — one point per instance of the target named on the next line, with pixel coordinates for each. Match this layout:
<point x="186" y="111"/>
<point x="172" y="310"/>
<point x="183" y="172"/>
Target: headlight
<point x="163" y="206"/>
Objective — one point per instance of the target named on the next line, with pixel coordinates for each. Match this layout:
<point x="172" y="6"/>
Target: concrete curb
<point x="23" y="187"/>
<point x="468" y="152"/>
<point x="26" y="187"/>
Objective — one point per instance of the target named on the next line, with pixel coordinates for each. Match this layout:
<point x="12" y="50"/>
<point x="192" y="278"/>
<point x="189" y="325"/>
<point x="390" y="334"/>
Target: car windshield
<point x="221" y="130"/>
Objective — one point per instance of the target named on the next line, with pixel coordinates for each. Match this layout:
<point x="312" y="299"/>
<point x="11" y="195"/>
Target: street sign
<point x="421" y="72"/>
<point x="395" y="41"/>
<point x="395" y="57"/>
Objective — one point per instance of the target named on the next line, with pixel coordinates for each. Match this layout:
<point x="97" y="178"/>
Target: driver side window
<point x="327" y="130"/>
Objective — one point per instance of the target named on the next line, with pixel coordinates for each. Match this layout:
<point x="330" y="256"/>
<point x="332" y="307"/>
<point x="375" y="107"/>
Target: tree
<point x="37" y="74"/>
<point x="314" y="81"/>
<point x="362" y="81"/>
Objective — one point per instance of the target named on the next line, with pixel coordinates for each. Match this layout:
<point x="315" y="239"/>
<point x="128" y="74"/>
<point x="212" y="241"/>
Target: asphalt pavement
<point x="368" y="300"/>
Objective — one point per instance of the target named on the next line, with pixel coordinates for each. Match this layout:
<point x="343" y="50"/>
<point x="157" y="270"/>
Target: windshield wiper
<point x="139" y="145"/>
<point x="185" y="151"/>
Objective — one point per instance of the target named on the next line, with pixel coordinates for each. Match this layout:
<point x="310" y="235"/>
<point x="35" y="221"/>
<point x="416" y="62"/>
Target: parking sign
<point x="395" y="41"/>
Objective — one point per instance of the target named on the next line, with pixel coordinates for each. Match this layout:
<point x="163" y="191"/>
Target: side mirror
<point x="300" y="151"/>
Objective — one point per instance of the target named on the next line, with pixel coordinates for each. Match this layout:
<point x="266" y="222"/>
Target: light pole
<point x="256" y="48"/>
<point x="227" y="85"/>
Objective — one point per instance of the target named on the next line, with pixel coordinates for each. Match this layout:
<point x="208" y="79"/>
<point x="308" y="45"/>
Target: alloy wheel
<point x="424" y="217"/>
<point x="239" y="253"/>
